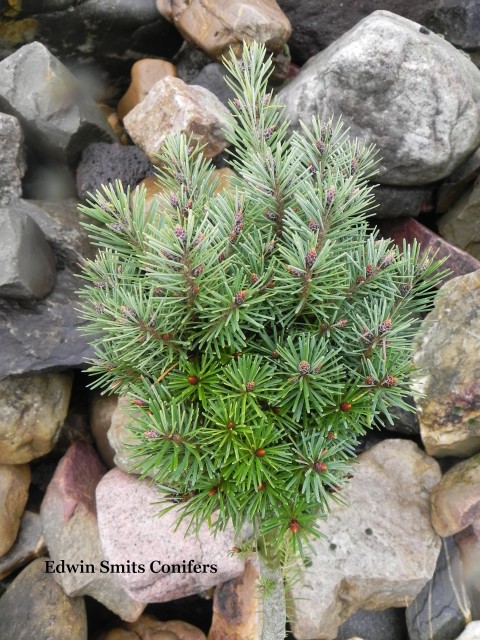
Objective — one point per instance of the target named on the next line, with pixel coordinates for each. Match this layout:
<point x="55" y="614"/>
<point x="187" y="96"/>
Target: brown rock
<point x="449" y="362"/>
<point x="70" y="528"/>
<point x="33" y="408"/>
<point x="28" y="545"/>
<point x="14" y="483"/>
<point x="235" y="608"/>
<point x="173" y="106"/>
<point x="459" y="262"/>
<point x="145" y="74"/>
<point x="101" y="412"/>
<point x="456" y="498"/>
<point x="149" y="628"/>
<point x="217" y="26"/>
<point x="34" y="606"/>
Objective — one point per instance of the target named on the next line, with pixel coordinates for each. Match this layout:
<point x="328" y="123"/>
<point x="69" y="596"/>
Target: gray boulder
<point x="59" y="120"/>
<point x="399" y="86"/>
<point x="27" y="264"/>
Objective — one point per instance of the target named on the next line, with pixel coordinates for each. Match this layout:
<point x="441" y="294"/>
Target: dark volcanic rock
<point x="34" y="606"/>
<point x="59" y="120"/>
<point x="441" y="609"/>
<point x="43" y="336"/>
<point x="103" y="163"/>
<point x="27" y="264"/>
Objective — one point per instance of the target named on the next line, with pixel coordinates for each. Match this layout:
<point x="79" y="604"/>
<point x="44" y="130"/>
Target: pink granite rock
<point x="70" y="528"/>
<point x="133" y="536"/>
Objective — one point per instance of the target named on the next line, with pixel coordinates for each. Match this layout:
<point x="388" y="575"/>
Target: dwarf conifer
<point x="258" y="331"/>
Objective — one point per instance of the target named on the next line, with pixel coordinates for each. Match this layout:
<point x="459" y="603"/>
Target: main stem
<point x="274" y="612"/>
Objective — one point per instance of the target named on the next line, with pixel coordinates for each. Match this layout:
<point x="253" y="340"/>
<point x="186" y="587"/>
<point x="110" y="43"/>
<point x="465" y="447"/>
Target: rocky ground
<point x="88" y="91"/>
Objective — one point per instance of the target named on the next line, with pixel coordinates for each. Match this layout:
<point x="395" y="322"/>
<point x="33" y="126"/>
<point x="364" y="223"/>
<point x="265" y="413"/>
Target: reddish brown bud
<point x="294" y="271"/>
<point x="310" y="257"/>
<point x="330" y="194"/>
<point x="230" y="424"/>
<point x="386" y="260"/>
<point x="139" y="402"/>
<point x="254" y="278"/>
<point x="198" y="270"/>
<point x="304" y="367"/>
<point x="213" y="491"/>
<point x="331" y="435"/>
<point x="240" y="297"/>
<point x="294" y="526"/>
<point x="369" y="270"/>
<point x="275" y="354"/>
<point x="250" y="386"/>
<point x="177" y="438"/>
<point x="345" y="406"/>
<point x="384" y="326"/>
<point x="390" y="381"/>
<point x="404" y="288"/>
<point x="319" y="467"/>
<point x="369" y="381"/>
<point x="260" y="453"/>
<point x="180" y="233"/>
<point x="313" y="225"/>
<point x="193" y="379"/>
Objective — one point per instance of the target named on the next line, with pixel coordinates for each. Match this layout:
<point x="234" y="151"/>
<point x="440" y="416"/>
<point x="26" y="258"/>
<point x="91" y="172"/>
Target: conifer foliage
<point x="257" y="331"/>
